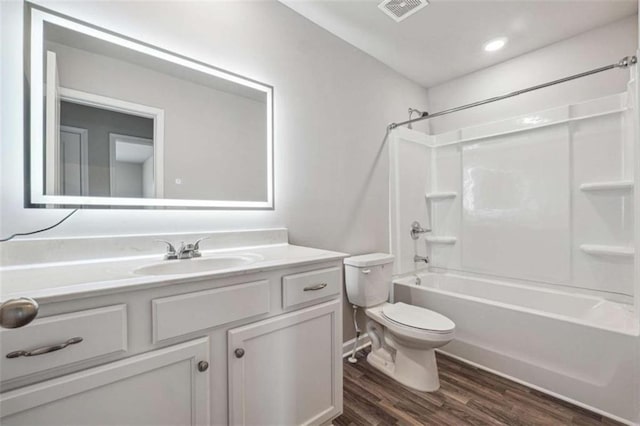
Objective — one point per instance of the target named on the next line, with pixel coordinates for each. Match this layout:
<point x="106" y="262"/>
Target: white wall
<point x="332" y="105"/>
<point x="593" y="49"/>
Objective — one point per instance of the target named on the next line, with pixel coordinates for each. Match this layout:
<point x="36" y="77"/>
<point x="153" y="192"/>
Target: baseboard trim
<point x="538" y="388"/>
<point x="347" y="347"/>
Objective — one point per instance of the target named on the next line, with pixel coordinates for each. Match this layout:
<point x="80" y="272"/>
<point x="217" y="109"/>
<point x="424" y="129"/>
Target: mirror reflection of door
<point x="74" y="161"/>
<point x="131" y="166"/>
<point x="88" y="124"/>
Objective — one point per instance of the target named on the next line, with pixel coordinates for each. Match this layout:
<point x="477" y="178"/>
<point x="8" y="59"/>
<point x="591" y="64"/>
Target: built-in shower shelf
<point x="607" y="186"/>
<point x="602" y="250"/>
<point x="441" y="240"/>
<point x="440" y="195"/>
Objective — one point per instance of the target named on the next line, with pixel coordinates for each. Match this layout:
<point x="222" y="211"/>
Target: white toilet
<point x="403" y="337"/>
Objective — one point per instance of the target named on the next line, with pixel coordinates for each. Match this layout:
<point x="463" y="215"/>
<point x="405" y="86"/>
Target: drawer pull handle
<point x="45" y="349"/>
<point x="315" y="287"/>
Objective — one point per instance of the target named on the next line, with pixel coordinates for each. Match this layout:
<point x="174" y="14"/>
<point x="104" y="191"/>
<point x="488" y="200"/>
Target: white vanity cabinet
<point x="162" y="387"/>
<point x="287" y="370"/>
<point x="170" y="354"/>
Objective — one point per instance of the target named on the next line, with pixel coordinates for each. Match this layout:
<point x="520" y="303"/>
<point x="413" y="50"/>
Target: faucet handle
<point x="417" y="229"/>
<point x="171" y="250"/>
<point x="196" y="245"/>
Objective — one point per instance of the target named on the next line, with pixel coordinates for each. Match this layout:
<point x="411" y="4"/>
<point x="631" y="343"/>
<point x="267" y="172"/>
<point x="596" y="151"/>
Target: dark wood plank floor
<point x="467" y="396"/>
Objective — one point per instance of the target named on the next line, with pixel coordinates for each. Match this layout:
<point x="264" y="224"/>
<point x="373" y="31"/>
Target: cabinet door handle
<point x="45" y="349"/>
<point x="315" y="287"/>
<point x="15" y="313"/>
<point x="239" y="353"/>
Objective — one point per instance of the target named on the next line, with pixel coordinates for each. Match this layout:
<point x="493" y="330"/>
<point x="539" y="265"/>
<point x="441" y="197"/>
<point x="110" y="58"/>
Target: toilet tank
<point x="368" y="278"/>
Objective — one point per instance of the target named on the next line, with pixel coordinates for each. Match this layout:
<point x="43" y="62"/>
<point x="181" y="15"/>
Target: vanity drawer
<point x="309" y="286"/>
<point x="178" y="315"/>
<point x="103" y="331"/>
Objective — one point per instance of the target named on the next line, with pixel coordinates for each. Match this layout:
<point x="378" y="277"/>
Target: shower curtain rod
<point x="625" y="62"/>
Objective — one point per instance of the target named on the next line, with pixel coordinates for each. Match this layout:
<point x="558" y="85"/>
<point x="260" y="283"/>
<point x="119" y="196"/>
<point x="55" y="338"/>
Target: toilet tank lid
<point x="371" y="259"/>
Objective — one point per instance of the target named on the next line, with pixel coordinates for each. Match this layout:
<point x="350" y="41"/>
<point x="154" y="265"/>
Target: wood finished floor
<point x="467" y="396"/>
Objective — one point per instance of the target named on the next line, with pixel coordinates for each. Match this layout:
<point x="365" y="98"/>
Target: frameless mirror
<point x="116" y="122"/>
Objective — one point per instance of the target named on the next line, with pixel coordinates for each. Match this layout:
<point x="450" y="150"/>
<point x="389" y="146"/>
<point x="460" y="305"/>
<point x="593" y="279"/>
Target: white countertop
<point x="57" y="281"/>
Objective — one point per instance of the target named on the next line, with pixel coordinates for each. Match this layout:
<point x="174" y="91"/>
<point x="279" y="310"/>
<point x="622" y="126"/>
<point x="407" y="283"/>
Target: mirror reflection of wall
<point x="105" y="169"/>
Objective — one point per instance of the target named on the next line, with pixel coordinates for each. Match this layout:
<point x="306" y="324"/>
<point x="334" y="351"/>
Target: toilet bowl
<point x="403" y="337"/>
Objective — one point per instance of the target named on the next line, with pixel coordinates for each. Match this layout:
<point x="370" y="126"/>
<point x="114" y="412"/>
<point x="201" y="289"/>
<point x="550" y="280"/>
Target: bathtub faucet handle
<point x="417" y="229"/>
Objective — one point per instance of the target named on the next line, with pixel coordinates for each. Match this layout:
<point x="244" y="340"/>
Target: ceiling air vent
<point x="400" y="10"/>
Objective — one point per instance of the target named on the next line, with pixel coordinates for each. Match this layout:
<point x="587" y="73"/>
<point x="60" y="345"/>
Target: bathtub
<point x="579" y="348"/>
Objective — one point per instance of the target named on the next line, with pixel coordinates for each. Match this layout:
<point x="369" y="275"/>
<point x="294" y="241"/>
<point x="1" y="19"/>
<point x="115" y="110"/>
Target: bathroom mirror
<point x="116" y="122"/>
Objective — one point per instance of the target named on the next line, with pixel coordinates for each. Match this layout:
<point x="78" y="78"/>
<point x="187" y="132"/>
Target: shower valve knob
<point x="239" y="353"/>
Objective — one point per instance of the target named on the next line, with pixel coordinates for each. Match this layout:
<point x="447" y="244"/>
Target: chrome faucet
<point x="417" y="259"/>
<point x="186" y="251"/>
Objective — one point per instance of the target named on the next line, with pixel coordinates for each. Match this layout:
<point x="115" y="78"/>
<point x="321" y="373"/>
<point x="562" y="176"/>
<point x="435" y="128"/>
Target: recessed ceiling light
<point x="495" y="44"/>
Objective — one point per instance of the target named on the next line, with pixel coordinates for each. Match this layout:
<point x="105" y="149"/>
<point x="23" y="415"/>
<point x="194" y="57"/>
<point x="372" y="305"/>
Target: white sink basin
<point x="197" y="265"/>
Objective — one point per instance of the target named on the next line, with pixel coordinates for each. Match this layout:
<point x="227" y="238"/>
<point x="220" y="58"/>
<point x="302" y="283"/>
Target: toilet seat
<point x="417" y="317"/>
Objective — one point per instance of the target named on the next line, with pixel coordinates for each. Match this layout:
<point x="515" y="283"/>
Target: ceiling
<point x="445" y="39"/>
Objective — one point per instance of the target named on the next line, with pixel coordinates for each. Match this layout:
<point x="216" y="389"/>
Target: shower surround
<point x="533" y="242"/>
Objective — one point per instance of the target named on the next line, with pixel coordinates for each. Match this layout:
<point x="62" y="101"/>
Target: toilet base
<point x="415" y="368"/>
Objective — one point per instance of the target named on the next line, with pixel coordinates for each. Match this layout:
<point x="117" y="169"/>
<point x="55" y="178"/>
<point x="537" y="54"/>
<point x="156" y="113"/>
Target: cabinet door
<point x="287" y="370"/>
<point x="162" y="387"/>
